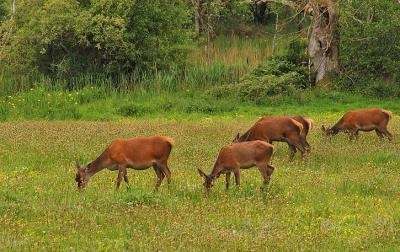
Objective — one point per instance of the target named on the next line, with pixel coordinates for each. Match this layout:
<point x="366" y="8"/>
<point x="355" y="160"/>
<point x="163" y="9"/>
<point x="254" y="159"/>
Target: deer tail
<point x="310" y="123"/>
<point x="388" y="113"/>
<point x="299" y="126"/>
<point x="170" y="141"/>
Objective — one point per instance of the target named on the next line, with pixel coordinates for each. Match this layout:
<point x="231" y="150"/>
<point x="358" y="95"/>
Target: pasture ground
<point x="344" y="196"/>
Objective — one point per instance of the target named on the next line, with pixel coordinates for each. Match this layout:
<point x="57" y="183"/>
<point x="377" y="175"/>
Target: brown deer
<point x="278" y="128"/>
<point x="137" y="153"/>
<point x="238" y="156"/>
<point x="362" y="120"/>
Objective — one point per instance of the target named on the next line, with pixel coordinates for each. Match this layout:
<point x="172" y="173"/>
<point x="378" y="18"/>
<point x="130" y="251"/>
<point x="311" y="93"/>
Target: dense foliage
<point x="3" y="10"/>
<point x="70" y="38"/>
<point x="276" y="77"/>
<point x="64" y="37"/>
<point x="370" y="40"/>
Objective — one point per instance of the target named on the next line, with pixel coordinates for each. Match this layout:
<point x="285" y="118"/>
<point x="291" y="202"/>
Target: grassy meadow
<point x="343" y="196"/>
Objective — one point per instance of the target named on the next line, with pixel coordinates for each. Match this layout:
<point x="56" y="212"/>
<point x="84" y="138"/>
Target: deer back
<point x="366" y="118"/>
<point x="276" y="128"/>
<point x="244" y="154"/>
<point x="140" y="150"/>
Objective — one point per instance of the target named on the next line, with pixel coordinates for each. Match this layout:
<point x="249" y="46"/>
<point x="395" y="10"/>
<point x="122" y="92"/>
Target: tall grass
<point x="223" y="61"/>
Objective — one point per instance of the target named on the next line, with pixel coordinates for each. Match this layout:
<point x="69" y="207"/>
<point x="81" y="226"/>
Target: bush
<point x="276" y="77"/>
<point x="370" y="39"/>
<point x="132" y="110"/>
<point x="67" y="37"/>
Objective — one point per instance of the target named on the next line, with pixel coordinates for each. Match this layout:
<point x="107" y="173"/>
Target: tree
<point x="68" y="37"/>
<point x="370" y="39"/>
<point x="206" y="14"/>
<point x="323" y="41"/>
<point x="3" y="10"/>
<point x="260" y="11"/>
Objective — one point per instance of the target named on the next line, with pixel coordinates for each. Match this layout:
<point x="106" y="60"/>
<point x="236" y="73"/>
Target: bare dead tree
<point x="323" y="42"/>
<point x="13" y="7"/>
<point x="323" y="46"/>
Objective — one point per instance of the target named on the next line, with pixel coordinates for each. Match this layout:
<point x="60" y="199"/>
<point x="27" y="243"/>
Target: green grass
<point x="344" y="196"/>
<point x="101" y="104"/>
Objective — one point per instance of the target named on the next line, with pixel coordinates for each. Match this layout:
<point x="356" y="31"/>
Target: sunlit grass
<point x="344" y="196"/>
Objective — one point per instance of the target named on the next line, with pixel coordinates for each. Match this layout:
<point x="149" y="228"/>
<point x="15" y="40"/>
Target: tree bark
<point x="13" y="7"/>
<point x="323" y="41"/>
<point x="197" y="17"/>
<point x="260" y="11"/>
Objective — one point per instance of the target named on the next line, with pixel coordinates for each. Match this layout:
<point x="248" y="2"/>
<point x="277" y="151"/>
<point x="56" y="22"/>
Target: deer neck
<point x="97" y="165"/>
<point x="245" y="137"/>
<point x="215" y="171"/>
<point x="337" y="127"/>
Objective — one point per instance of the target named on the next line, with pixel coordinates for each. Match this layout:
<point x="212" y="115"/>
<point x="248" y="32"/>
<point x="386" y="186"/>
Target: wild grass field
<point x="343" y="196"/>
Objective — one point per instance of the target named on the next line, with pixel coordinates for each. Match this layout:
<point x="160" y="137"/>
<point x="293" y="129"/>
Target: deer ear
<point x="201" y="173"/>
<point x="78" y="165"/>
<point x="236" y="138"/>
<point x="323" y="128"/>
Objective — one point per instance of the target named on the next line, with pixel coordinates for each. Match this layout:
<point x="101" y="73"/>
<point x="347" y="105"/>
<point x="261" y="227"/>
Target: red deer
<point x="238" y="156"/>
<point x="362" y="120"/>
<point x="137" y="153"/>
<point x="277" y="128"/>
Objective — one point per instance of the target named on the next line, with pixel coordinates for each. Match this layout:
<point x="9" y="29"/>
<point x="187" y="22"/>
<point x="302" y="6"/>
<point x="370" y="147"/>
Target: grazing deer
<point x="278" y="128"/>
<point x="238" y="156"/>
<point x="362" y="120"/>
<point x="137" y="153"/>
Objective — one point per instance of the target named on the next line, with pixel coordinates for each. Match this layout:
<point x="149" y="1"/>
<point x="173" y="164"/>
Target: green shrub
<point x="297" y="51"/>
<point x="276" y="77"/>
<point x="133" y="109"/>
<point x="370" y="39"/>
<point x="64" y="38"/>
<point x="209" y="107"/>
<point x="4" y="110"/>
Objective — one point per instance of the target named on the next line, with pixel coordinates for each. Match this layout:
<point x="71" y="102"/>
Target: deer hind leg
<point x="387" y="134"/>
<point x="160" y="176"/>
<point x="236" y="172"/>
<point x="165" y="170"/>
<point x="126" y="179"/>
<point x="228" y="179"/>
<point x="270" y="169"/>
<point x="379" y="133"/>
<point x="121" y="173"/>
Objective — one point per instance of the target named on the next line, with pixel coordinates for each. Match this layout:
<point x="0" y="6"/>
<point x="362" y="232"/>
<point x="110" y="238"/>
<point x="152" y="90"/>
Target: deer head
<point x="327" y="131"/>
<point x="207" y="179"/>
<point x="81" y="177"/>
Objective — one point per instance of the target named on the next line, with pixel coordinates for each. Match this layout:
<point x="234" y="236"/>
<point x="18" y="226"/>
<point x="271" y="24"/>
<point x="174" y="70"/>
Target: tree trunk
<point x="197" y="17"/>
<point x="13" y="8"/>
<point x="260" y="11"/>
<point x="324" y="41"/>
